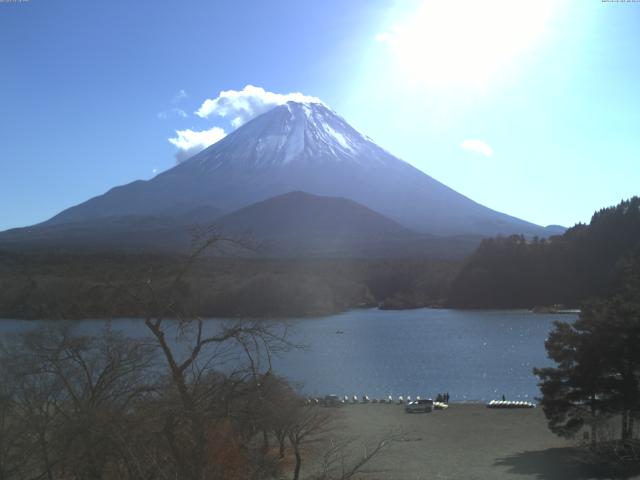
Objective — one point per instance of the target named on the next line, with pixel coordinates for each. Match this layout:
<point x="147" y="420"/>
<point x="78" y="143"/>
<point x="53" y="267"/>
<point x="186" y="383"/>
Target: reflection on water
<point x="472" y="355"/>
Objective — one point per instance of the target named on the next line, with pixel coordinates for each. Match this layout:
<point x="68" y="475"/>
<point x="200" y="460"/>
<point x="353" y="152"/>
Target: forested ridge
<point x="515" y="272"/>
<point x="504" y="272"/>
<point x="93" y="286"/>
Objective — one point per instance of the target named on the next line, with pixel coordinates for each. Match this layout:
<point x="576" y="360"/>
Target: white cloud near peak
<point x="477" y="146"/>
<point x="239" y="106"/>
<point x="243" y="105"/>
<point x="189" y="142"/>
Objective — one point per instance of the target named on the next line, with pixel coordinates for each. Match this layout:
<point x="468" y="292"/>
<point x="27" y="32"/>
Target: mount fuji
<point x="295" y="147"/>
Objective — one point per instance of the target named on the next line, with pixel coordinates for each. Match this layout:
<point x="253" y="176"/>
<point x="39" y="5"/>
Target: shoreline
<point x="308" y="316"/>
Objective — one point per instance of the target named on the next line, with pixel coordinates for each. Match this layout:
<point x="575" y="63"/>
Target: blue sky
<point x="533" y="111"/>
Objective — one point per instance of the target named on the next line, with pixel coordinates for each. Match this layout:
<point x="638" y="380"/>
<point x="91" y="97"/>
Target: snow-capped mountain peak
<point x="294" y="132"/>
<point x="309" y="148"/>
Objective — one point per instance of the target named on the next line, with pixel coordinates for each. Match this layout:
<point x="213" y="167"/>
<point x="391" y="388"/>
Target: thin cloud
<point x="175" y="111"/>
<point x="243" y="105"/>
<point x="172" y="112"/>
<point x="189" y="142"/>
<point x="477" y="146"/>
<point x="179" y="96"/>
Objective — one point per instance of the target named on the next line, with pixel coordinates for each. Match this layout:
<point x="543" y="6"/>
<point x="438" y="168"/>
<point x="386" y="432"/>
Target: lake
<point x="472" y="355"/>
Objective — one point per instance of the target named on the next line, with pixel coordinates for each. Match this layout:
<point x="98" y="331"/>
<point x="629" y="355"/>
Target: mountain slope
<point x="303" y="147"/>
<point x="304" y="216"/>
<point x="300" y="224"/>
<point x="295" y="224"/>
<point x="114" y="233"/>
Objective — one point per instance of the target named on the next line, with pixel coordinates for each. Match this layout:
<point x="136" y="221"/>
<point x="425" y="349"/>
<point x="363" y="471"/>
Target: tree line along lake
<point x="474" y="355"/>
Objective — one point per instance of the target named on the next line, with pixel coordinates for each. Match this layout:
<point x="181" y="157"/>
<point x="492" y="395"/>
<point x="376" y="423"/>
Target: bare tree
<point x="71" y="395"/>
<point x="194" y="400"/>
<point x="345" y="458"/>
<point x="307" y="424"/>
<point x="195" y="352"/>
<point x="341" y="457"/>
<point x="11" y="433"/>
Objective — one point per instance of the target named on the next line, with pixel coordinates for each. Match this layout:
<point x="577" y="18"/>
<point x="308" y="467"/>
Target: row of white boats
<point x="510" y="404"/>
<point x="334" y="399"/>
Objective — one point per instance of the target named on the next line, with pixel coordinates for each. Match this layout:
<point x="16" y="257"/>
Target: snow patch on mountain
<point x="341" y="139"/>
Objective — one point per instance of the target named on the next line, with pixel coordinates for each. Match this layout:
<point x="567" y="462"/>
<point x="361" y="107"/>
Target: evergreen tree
<point x="598" y="362"/>
<point x="513" y="272"/>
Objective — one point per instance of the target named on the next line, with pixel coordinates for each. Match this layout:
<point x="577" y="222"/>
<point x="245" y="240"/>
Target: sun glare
<point x="465" y="42"/>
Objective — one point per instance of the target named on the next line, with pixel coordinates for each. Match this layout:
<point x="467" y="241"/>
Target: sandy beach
<point x="466" y="441"/>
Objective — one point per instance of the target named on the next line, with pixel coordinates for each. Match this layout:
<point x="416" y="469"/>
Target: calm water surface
<point x="473" y="355"/>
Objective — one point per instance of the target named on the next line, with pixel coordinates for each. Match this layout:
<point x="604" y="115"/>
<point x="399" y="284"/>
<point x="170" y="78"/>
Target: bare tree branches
<point x="195" y="400"/>
<point x="341" y="462"/>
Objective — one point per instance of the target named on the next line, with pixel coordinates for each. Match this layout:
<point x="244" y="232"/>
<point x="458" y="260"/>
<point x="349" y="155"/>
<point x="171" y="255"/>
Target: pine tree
<point x="598" y="362"/>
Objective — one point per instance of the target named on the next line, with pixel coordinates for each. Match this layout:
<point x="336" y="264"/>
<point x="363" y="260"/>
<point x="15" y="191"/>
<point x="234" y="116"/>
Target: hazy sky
<point x="530" y="108"/>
